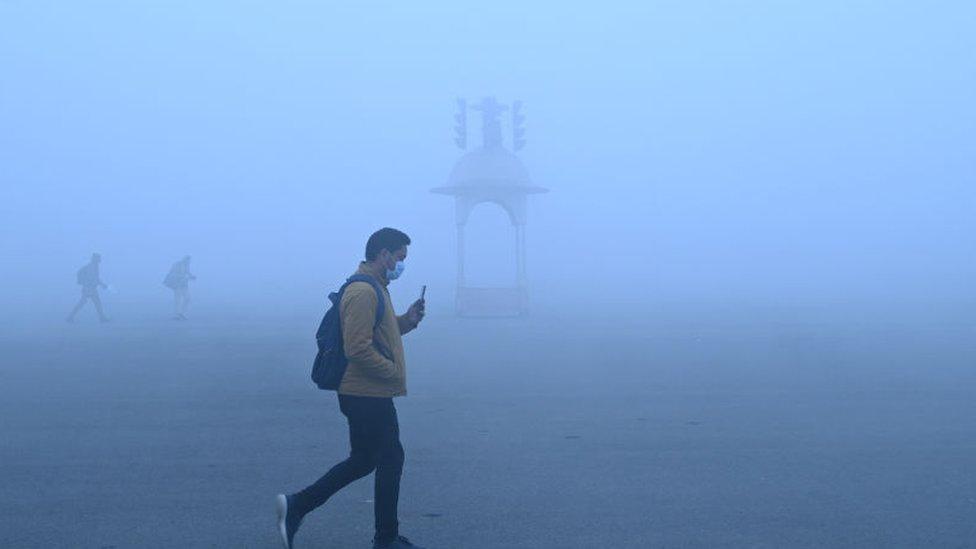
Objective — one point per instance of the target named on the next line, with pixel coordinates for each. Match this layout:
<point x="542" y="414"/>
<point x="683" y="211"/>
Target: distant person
<point x="178" y="279"/>
<point x="90" y="280"/>
<point x="374" y="375"/>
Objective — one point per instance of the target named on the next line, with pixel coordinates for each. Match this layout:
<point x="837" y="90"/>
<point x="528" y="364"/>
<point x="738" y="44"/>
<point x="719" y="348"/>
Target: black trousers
<point x="374" y="436"/>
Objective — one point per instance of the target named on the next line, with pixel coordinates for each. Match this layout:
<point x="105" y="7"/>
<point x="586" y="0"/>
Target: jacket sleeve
<point x="357" y="314"/>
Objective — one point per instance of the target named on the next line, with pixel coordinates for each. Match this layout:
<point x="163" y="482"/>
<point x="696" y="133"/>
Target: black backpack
<point x="330" y="361"/>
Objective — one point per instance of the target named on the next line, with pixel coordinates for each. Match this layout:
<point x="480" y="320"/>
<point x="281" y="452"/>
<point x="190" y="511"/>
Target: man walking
<point x="178" y="279"/>
<point x="90" y="280"/>
<point x="374" y="376"/>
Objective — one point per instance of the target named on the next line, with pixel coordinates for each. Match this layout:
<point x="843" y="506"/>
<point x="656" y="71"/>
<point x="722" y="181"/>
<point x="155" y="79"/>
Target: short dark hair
<point x="385" y="239"/>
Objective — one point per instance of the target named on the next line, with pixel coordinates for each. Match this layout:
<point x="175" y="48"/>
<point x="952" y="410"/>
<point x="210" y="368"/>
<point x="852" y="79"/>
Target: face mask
<point x="396" y="272"/>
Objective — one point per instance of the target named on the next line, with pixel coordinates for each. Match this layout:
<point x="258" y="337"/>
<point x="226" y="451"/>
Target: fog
<point x="769" y="198"/>
<point x="702" y="150"/>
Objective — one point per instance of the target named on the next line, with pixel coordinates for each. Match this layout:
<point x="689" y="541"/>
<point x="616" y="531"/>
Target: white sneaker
<point x="285" y="530"/>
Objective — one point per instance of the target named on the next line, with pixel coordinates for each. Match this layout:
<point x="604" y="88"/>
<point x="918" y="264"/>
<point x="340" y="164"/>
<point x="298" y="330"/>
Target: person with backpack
<point x="90" y="280"/>
<point x="361" y="357"/>
<point x="178" y="279"/>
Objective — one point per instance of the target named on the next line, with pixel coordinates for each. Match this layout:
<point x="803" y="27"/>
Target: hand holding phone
<point x="416" y="313"/>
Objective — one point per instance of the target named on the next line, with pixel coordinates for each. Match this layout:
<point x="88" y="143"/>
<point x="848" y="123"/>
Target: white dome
<point x="488" y="167"/>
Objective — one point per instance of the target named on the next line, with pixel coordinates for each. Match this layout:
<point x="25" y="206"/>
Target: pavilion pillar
<point x="520" y="255"/>
<point x="460" y="255"/>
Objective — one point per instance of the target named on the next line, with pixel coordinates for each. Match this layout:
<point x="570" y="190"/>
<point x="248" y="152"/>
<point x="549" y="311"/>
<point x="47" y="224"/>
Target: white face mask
<point x="396" y="271"/>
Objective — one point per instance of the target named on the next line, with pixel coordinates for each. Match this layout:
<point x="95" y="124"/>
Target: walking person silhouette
<point x="374" y="375"/>
<point x="90" y="280"/>
<point x="178" y="279"/>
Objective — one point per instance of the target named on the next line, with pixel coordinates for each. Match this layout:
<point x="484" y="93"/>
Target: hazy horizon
<point x="703" y="151"/>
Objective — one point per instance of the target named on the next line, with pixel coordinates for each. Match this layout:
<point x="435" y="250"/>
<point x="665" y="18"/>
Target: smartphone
<point x="423" y="291"/>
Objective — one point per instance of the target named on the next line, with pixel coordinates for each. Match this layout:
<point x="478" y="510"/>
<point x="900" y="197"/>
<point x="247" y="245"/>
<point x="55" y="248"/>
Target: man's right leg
<point x="81" y="303"/>
<point x="361" y="460"/>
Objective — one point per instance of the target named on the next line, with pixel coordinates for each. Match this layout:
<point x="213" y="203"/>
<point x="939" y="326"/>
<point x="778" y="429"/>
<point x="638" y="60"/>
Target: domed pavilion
<point x="494" y="174"/>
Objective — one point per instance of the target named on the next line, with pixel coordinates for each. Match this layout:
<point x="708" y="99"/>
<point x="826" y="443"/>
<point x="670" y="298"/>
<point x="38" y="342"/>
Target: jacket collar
<point x="379" y="273"/>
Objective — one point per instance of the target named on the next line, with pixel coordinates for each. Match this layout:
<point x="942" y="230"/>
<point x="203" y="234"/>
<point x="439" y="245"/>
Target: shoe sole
<point x="282" y="506"/>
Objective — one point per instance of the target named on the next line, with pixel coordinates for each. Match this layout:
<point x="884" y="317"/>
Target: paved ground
<point x="544" y="432"/>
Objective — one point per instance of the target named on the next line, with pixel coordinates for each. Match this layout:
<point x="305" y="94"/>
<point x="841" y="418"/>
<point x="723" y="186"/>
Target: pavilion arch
<point x="490" y="174"/>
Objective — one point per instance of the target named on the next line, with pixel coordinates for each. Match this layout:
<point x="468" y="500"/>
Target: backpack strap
<point x="380" y="302"/>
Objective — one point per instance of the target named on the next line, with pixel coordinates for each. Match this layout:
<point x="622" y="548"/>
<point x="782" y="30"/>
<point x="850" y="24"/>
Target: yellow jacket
<point x="377" y="367"/>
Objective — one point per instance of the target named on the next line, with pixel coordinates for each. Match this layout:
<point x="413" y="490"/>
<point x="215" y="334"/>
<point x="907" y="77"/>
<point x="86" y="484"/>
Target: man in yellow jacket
<point x="375" y="374"/>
